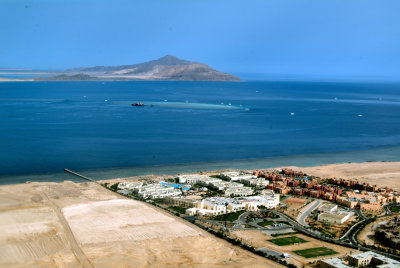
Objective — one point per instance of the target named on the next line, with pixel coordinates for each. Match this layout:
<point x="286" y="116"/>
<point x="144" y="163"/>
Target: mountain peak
<point x="172" y="60"/>
<point x="168" y="56"/>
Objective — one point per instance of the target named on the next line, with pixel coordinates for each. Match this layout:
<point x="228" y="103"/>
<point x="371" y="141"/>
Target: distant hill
<point x="64" y="77"/>
<point x="167" y="68"/>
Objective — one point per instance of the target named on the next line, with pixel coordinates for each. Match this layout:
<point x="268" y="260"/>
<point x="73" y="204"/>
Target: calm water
<point x="47" y="126"/>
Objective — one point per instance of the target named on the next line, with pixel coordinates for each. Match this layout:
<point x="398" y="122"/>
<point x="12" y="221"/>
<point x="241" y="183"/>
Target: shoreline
<point x="381" y="155"/>
<point x="381" y="173"/>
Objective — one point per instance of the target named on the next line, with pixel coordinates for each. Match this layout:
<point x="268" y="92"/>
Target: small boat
<point x="138" y="104"/>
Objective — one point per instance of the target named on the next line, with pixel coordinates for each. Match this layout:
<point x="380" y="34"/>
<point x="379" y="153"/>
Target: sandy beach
<point x="379" y="173"/>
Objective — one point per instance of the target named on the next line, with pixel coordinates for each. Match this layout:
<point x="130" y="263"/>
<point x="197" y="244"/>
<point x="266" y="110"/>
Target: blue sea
<point x="191" y="126"/>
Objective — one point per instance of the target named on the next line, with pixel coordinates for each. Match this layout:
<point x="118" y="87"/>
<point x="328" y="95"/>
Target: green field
<point x="278" y="234"/>
<point x="315" y="252"/>
<point x="395" y="209"/>
<point x="284" y="241"/>
<point x="233" y="216"/>
<point x="265" y="223"/>
<point x="178" y="209"/>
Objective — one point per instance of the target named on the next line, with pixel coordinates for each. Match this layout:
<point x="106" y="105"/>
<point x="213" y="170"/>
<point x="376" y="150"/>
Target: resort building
<point x="333" y="263"/>
<point x="327" y="207"/>
<point x="336" y="217"/>
<point x="237" y="176"/>
<point x="185" y="202"/>
<point x="215" y="206"/>
<point x="367" y="201"/>
<point x="256" y="181"/>
<point x="222" y="185"/>
<point x="220" y="205"/>
<point x="269" y="200"/>
<point x="209" y="180"/>
<point x="156" y="190"/>
<point x="365" y="259"/>
<point x="238" y="191"/>
<point x="192" y="179"/>
<point x="129" y="185"/>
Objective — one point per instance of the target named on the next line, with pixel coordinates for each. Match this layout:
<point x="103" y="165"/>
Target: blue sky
<point x="310" y="38"/>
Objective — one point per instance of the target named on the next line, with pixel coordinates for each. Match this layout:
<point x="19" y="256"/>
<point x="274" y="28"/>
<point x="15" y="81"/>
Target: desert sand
<point x="85" y="225"/>
<point x="379" y="173"/>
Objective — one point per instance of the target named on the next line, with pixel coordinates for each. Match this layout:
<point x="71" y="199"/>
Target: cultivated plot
<point x="315" y="252"/>
<point x="290" y="240"/>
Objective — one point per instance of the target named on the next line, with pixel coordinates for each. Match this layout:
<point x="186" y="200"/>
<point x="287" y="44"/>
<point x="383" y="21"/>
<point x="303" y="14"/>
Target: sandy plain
<point x="379" y="173"/>
<point x="85" y="225"/>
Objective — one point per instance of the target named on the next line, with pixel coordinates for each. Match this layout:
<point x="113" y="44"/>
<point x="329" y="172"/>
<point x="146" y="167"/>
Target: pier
<point x="79" y="175"/>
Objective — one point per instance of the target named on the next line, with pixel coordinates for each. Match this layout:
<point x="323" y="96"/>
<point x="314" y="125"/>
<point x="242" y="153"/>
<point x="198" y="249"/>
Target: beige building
<point x="185" y="202"/>
<point x="365" y="259"/>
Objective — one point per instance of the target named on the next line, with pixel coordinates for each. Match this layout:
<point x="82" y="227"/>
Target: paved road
<point x="387" y="208"/>
<point x="80" y="256"/>
<point x="271" y="252"/>
<point x="303" y="215"/>
<point x="360" y="214"/>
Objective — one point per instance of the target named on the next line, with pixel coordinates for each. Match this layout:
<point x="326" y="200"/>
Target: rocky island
<point x="167" y="68"/>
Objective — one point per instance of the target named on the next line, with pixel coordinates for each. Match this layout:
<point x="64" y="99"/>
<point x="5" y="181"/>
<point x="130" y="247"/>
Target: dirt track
<point x="79" y="255"/>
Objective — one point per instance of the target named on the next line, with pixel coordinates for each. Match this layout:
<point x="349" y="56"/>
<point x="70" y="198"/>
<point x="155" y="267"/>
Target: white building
<point x="237" y="176"/>
<point x="229" y="188"/>
<point x="156" y="190"/>
<point x="238" y="191"/>
<point x="215" y="206"/>
<point x="129" y="185"/>
<point x="270" y="200"/>
<point x="336" y="217"/>
<point x="327" y="207"/>
<point x="222" y="185"/>
<point x="192" y="179"/>
<point x="209" y="180"/>
<point x="221" y="205"/>
<point x="257" y="181"/>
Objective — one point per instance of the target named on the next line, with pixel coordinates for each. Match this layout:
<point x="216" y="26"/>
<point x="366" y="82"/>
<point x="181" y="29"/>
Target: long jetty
<point x="78" y="175"/>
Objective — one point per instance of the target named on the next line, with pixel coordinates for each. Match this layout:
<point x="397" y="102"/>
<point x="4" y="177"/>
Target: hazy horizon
<point x="300" y="39"/>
